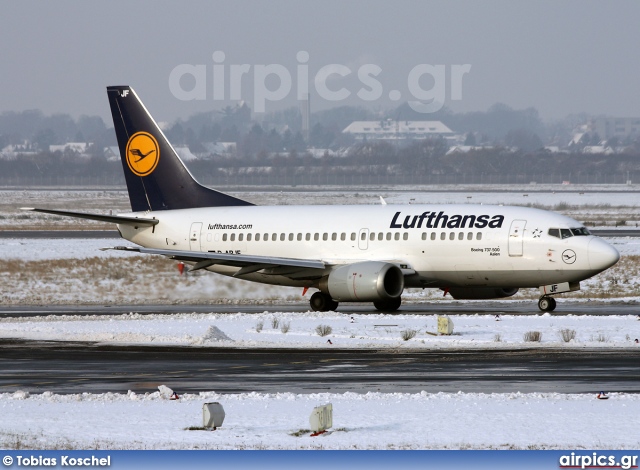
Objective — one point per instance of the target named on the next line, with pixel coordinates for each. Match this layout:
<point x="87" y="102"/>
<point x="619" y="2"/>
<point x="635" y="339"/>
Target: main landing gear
<point x="390" y="305"/>
<point x="322" y="302"/>
<point x="547" y="304"/>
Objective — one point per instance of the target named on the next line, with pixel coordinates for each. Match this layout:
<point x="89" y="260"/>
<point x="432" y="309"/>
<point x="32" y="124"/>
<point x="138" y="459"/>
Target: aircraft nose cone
<point x="601" y="254"/>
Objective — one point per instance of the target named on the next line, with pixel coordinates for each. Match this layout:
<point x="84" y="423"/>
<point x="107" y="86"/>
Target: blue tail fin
<point x="156" y="177"/>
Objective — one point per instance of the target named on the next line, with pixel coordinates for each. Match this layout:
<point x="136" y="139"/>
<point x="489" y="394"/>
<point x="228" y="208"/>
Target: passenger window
<point x="266" y="237"/>
<point x="380" y="236"/>
<point x="452" y="236"/>
<point x="299" y="237"/>
<point x="443" y="236"/>
<point x="283" y="236"/>
<point x="388" y="235"/>
<point x="433" y="235"/>
<point x="248" y="237"/>
<point x="233" y="237"/>
<point x="343" y="236"/>
<point x="325" y="236"/>
<point x="554" y="232"/>
<point x="307" y="237"/>
<point x="405" y="236"/>
<point x="396" y="236"/>
<point x="241" y="237"/>
<point x="363" y="236"/>
<point x="274" y="237"/>
<point x="479" y="236"/>
<point x="316" y="237"/>
<point x="224" y="237"/>
<point x="257" y="237"/>
<point x="565" y="233"/>
<point x="334" y="237"/>
<point x="372" y="236"/>
<point x="353" y="236"/>
<point x="424" y="235"/>
<point x="461" y="236"/>
<point x="291" y="237"/>
<point x="470" y="236"/>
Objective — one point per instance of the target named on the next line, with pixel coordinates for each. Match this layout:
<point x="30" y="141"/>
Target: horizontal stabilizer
<point x="115" y="219"/>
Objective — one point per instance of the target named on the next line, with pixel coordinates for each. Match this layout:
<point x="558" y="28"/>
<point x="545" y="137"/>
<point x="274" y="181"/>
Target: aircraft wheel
<point x="388" y="305"/>
<point x="547" y="304"/>
<point x="322" y="302"/>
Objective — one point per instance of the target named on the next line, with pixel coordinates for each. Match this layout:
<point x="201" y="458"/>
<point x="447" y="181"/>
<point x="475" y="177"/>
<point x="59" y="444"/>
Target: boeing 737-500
<point x="364" y="253"/>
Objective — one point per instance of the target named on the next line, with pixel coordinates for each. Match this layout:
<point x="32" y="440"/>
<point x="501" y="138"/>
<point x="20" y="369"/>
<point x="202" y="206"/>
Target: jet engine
<point x="482" y="292"/>
<point x="367" y="281"/>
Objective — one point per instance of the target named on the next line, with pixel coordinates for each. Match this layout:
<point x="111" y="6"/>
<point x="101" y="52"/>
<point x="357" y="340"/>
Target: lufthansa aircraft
<point x="348" y="253"/>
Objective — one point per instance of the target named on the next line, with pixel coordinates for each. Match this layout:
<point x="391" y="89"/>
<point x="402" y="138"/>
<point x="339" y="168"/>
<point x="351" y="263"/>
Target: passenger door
<point x="194" y="236"/>
<point x="516" y="237"/>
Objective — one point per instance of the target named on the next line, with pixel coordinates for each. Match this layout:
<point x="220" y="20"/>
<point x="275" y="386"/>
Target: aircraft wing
<point x="290" y="267"/>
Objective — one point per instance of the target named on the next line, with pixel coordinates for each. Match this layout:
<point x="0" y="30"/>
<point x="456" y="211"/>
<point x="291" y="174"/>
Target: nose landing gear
<point x="547" y="304"/>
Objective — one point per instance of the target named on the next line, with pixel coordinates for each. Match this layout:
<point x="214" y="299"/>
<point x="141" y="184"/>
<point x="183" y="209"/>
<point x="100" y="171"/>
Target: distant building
<point x="608" y="127"/>
<point x="218" y="148"/>
<point x="11" y="152"/>
<point x="598" y="149"/>
<point x="397" y="130"/>
<point x="184" y="153"/>
<point x="112" y="154"/>
<point x="467" y="148"/>
<point x="75" y="147"/>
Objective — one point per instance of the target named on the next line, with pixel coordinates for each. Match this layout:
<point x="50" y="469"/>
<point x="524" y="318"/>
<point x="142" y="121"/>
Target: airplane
<point x="362" y="253"/>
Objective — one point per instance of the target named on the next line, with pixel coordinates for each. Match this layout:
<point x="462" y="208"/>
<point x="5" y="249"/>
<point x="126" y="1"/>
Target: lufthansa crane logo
<point x="143" y="153"/>
<point x="569" y="256"/>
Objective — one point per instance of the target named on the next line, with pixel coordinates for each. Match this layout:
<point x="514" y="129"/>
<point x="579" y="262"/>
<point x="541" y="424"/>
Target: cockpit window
<point x="580" y="232"/>
<point x="565" y="233"/>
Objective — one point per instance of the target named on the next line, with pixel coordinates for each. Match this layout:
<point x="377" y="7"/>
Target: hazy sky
<point x="560" y="57"/>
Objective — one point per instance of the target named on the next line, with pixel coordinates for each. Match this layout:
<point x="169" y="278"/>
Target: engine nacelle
<point x="482" y="292"/>
<point x="368" y="281"/>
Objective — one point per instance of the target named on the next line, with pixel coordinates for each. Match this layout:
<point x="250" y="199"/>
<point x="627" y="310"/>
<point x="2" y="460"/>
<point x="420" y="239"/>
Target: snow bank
<point x="361" y="421"/>
<point x="364" y="331"/>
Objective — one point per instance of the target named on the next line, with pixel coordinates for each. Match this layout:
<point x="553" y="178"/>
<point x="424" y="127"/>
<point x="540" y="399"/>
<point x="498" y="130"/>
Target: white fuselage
<point x="435" y="245"/>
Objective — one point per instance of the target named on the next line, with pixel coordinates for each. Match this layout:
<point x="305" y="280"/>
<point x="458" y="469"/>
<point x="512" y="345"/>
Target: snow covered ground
<point x="299" y="330"/>
<point x="360" y="421"/>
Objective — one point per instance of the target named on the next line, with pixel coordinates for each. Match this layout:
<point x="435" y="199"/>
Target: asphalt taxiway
<point x="84" y="367"/>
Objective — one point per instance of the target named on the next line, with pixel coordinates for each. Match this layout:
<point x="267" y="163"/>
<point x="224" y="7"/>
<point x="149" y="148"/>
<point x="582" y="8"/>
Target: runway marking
<point x="233" y="367"/>
<point x="12" y="385"/>
<point x="43" y="383"/>
<point x="270" y="364"/>
<point x="76" y="380"/>
<point x="300" y="362"/>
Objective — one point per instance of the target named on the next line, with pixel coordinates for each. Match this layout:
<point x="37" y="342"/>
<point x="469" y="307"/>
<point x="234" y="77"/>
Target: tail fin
<point x="156" y="177"/>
